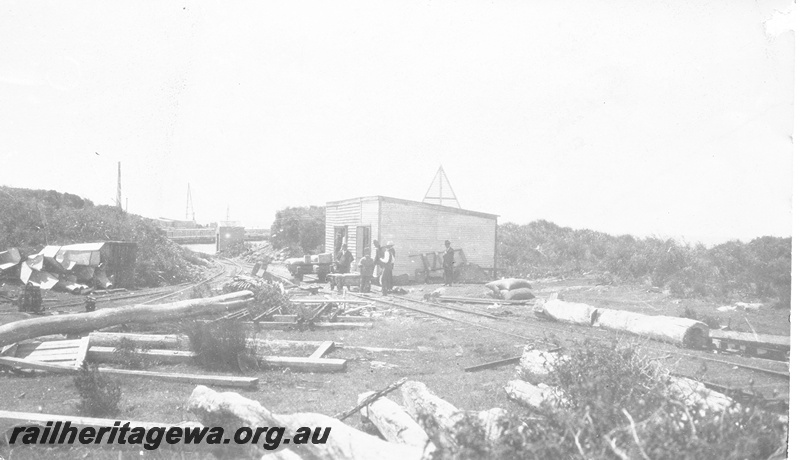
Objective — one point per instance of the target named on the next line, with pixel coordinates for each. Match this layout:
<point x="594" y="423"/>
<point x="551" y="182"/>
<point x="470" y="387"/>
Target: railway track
<point x="736" y="374"/>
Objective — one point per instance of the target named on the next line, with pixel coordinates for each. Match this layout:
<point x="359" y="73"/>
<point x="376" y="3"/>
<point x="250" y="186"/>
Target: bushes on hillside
<point x="35" y="218"/>
<point x="758" y="269"/>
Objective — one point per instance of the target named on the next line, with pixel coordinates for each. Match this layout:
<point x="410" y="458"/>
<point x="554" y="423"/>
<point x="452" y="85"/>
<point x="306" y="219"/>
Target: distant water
<point x="208" y="248"/>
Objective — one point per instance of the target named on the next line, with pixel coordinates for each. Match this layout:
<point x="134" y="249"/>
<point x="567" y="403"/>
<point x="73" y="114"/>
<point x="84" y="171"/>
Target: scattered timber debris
<point x="220" y="380"/>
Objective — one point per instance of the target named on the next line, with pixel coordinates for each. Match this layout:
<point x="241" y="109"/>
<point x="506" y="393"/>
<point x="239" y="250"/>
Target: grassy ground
<point x="441" y="350"/>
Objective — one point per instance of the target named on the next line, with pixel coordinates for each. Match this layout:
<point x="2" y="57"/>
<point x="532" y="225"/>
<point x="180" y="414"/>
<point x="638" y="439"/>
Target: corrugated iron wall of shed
<point x="421" y="229"/>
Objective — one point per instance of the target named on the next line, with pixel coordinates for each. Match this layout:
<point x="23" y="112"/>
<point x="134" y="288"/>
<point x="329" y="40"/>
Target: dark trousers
<point x="448" y="275"/>
<point x="386" y="279"/>
<point x="366" y="282"/>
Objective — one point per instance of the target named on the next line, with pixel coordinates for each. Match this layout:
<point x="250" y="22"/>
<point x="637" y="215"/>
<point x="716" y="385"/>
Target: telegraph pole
<point x="119" y="184"/>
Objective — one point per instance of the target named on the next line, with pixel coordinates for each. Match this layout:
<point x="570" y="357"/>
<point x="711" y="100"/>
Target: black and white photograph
<point x="401" y="230"/>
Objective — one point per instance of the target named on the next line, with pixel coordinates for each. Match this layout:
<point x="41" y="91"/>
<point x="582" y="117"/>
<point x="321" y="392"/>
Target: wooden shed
<point x="414" y="227"/>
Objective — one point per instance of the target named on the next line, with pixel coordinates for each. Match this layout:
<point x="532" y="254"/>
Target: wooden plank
<point x="477" y="300"/>
<point x="284" y="318"/>
<point x="42" y="354"/>
<point x="195" y="379"/>
<point x="305" y="364"/>
<point x="49" y="345"/>
<point x="108" y="354"/>
<point x="324" y="348"/>
<point x="343" y="319"/>
<point x="220" y="380"/>
<point x="9" y="350"/>
<point x="317" y="343"/>
<point x="80" y="356"/>
<point x="780" y="342"/>
<point x="63" y="359"/>
<point x="36" y="365"/>
<point x="159" y="341"/>
<point x="493" y="364"/>
<point x="339" y="301"/>
<point x="354" y="319"/>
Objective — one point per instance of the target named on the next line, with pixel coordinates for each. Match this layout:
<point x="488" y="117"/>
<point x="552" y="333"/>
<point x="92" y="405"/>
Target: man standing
<point x="388" y="265"/>
<point x="378" y="259"/>
<point x="343" y="260"/>
<point x="448" y="260"/>
<point x="365" y="266"/>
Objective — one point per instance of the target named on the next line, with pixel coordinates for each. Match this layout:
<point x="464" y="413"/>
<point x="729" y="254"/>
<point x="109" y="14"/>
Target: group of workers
<point x="377" y="265"/>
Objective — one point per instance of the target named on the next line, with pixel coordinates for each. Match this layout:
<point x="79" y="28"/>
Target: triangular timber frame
<point x="441" y="184"/>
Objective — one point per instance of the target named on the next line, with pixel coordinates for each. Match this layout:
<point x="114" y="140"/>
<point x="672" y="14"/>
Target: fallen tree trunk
<point x="395" y="425"/>
<point x="233" y="411"/>
<point x="680" y="331"/>
<point x="85" y="322"/>
<point x="529" y="395"/>
<point x="440" y="419"/>
<point x="570" y="312"/>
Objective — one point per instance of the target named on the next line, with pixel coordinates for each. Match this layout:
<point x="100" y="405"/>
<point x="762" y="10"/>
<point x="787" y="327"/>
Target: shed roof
<point x="413" y="203"/>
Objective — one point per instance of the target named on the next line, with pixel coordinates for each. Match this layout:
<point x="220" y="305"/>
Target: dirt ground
<point x="439" y="352"/>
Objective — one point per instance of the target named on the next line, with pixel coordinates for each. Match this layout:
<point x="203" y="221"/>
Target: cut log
<point x="570" y="312"/>
<point x="529" y="395"/>
<point x="439" y="418"/>
<point x="86" y="322"/>
<point x="233" y="411"/>
<point x="395" y="425"/>
<point x="220" y="380"/>
<point x="680" y="331"/>
<point x="160" y="341"/>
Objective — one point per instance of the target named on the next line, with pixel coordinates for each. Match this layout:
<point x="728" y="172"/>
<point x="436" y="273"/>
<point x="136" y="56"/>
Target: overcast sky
<point x="666" y="118"/>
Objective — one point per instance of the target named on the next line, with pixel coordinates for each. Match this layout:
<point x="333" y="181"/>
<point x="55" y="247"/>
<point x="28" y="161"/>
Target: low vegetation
<point x="220" y="345"/>
<point x="99" y="394"/>
<point x="31" y="219"/>
<point x="615" y="404"/>
<point x="758" y="270"/>
<point x="129" y="355"/>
